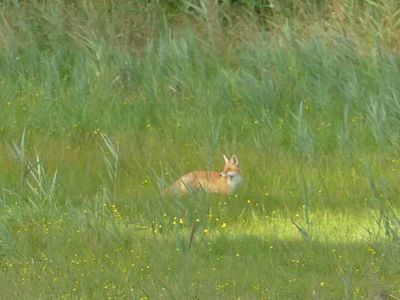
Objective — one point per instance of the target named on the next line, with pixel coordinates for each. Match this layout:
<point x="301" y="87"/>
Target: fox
<point x="224" y="183"/>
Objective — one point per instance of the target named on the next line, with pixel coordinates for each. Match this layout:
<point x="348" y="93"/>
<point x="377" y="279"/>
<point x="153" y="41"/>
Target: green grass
<point x="105" y="103"/>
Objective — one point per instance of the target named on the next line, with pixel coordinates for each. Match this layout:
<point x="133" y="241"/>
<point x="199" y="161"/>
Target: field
<point x="104" y="103"/>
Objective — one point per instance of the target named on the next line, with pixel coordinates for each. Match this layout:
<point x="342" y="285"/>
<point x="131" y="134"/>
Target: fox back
<point x="225" y="182"/>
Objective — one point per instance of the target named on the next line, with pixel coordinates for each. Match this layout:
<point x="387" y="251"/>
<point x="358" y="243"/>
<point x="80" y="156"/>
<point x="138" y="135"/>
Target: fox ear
<point x="234" y="159"/>
<point x="226" y="159"/>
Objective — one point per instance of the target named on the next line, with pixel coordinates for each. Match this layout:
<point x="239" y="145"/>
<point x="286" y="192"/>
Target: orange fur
<point x="225" y="182"/>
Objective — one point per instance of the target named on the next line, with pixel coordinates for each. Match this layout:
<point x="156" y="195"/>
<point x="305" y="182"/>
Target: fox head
<point x="232" y="167"/>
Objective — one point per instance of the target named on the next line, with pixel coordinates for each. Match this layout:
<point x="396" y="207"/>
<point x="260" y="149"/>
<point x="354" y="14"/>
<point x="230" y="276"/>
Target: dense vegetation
<point x="105" y="102"/>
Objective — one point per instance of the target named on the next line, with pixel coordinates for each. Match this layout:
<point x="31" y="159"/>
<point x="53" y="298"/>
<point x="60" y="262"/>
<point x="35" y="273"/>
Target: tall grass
<point x="305" y="94"/>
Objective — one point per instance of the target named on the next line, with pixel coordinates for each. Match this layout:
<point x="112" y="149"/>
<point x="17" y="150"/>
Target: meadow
<point x="104" y="103"/>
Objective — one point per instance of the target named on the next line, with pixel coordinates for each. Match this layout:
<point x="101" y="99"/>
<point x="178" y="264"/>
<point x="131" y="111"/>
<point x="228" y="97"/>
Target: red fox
<point x="225" y="182"/>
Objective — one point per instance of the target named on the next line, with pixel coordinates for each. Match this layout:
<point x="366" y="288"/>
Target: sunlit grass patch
<point x="80" y="252"/>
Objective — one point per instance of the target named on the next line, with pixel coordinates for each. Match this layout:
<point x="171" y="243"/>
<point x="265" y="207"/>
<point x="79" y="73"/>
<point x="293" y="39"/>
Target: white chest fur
<point x="234" y="181"/>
